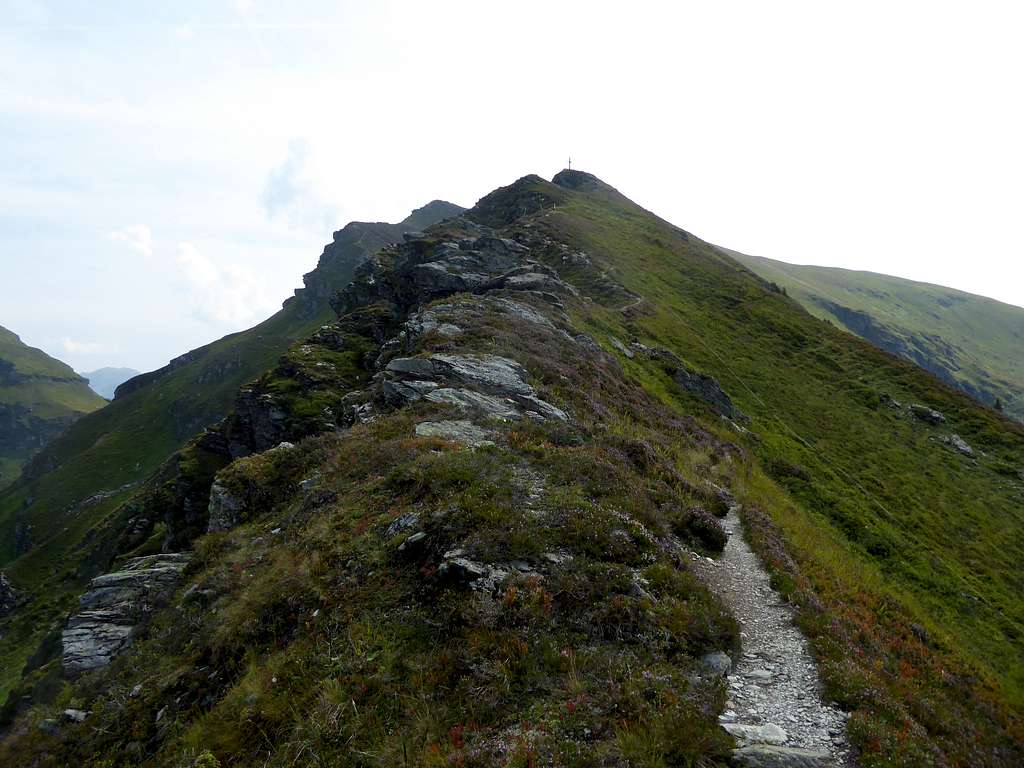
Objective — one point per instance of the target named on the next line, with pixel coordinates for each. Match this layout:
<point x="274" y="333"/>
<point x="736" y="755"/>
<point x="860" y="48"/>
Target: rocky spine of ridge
<point x="463" y="335"/>
<point x="205" y="487"/>
<point x="350" y="246"/>
<point x="346" y="251"/>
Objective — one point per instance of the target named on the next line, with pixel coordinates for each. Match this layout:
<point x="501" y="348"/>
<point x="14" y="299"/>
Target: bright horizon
<point x="169" y="173"/>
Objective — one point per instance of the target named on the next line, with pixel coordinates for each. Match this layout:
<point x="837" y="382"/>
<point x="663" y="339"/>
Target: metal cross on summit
<point x="570" y="163"/>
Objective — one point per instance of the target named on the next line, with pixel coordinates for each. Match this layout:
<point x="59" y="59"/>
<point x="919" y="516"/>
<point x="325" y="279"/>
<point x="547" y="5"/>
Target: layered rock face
<point x="113" y="606"/>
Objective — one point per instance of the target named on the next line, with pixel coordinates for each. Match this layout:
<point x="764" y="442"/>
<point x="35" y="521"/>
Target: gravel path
<point x="775" y="707"/>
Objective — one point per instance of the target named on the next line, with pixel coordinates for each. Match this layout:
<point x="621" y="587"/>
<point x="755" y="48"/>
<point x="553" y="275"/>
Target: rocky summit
<point x="555" y="483"/>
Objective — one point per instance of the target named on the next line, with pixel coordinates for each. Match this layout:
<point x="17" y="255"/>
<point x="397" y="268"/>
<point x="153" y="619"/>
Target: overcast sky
<point x="168" y="171"/>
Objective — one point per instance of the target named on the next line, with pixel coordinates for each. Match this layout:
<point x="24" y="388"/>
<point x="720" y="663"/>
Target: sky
<point x="168" y="171"/>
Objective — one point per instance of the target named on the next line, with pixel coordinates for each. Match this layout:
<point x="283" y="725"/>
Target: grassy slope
<point x="127" y="440"/>
<point x="979" y="341"/>
<point x="48" y="387"/>
<point x="877" y="512"/>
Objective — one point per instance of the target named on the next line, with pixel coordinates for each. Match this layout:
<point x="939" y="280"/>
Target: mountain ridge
<point x="39" y="397"/>
<point x="972" y="342"/>
<point x="77" y="485"/>
<point x="455" y="525"/>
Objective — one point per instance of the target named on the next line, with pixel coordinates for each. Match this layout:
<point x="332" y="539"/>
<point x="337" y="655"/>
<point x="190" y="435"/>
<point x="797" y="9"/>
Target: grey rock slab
<point x="522" y="311"/>
<point x="9" y="596"/>
<point x="490" y="373"/>
<point x="542" y="408"/>
<point x="622" y="348"/>
<point x="475" y="402"/>
<point x="757" y="734"/>
<point x="958" y="443"/>
<point x="412" y="366"/>
<point x="462" y="432"/>
<point x="402" y="524"/>
<point x="926" y="414"/>
<point x="768" y="756"/>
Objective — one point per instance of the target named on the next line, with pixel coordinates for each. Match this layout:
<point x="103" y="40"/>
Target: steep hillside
<point x="58" y="523"/>
<point x="104" y="381"/>
<point x="459" y="525"/>
<point x="39" y="398"/>
<point x="974" y="343"/>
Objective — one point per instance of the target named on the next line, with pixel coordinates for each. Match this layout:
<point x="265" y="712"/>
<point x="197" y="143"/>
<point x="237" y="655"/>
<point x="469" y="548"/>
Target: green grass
<point x="970" y="341"/>
<point x="945" y="533"/>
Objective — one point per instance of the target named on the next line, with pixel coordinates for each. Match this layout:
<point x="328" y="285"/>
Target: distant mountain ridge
<point x="103" y="381"/>
<point x="972" y="342"/>
<point x="39" y="397"/>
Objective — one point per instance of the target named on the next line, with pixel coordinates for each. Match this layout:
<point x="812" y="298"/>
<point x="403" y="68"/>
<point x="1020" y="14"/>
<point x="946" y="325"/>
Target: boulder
<point x="709" y="390"/>
<point x="717" y="663"/>
<point x="926" y="414"/>
<point x="768" y="733"/>
<point x="958" y="443"/>
<point x="700" y="385"/>
<point x="462" y="432"/>
<point x="485" y="373"/>
<point x="402" y="524"/>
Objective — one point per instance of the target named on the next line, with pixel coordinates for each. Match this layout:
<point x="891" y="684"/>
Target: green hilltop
<point x="453" y="525"/>
<point x="972" y="342"/>
<point x="39" y="398"/>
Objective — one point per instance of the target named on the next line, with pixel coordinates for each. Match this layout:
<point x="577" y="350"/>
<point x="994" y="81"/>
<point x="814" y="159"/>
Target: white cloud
<point x="184" y="32"/>
<point x="228" y="295"/>
<point x="81" y="347"/>
<point x="291" y="191"/>
<point x="139" y="238"/>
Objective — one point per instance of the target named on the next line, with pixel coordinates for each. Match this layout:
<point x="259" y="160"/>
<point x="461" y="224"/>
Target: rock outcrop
<point x="9" y="596"/>
<point x="700" y="385"/>
<point x="114" y="606"/>
<point x="927" y="414"/>
<point x="495" y="386"/>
